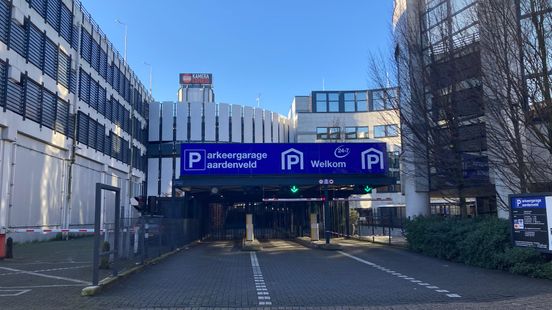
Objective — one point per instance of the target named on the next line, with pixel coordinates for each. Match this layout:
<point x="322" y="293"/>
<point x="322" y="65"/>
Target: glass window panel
<point x="334" y="106"/>
<point x="321" y="96"/>
<point x="333" y="96"/>
<point x="322" y="133"/>
<point x="379" y="131"/>
<point x="350" y="132"/>
<point x="378" y="104"/>
<point x="349" y="106"/>
<point x="361" y="96"/>
<point x="362" y="106"/>
<point x="362" y="132"/>
<point x="349" y="96"/>
<point x="321" y="106"/>
<point x="392" y="130"/>
<point x="334" y="132"/>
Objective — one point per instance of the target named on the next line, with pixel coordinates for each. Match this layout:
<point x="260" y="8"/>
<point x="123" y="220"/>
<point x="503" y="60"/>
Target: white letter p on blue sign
<point x="195" y="160"/>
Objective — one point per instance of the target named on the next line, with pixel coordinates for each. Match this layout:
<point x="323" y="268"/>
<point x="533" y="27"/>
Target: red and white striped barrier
<point x="49" y="230"/>
<point x="59" y="230"/>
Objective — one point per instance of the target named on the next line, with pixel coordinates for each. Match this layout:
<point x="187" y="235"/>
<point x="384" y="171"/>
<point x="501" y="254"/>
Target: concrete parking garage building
<point x="72" y="113"/>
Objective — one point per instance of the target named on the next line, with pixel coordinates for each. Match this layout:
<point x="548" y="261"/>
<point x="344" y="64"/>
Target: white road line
<point x="400" y="276"/>
<point x="10" y="293"/>
<point x="40" y="286"/>
<point x="45" y="270"/>
<point x="45" y="275"/>
<point x="263" y="296"/>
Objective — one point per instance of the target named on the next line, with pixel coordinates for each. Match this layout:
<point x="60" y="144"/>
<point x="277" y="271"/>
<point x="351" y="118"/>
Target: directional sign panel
<point x="283" y="158"/>
<point x="532" y="221"/>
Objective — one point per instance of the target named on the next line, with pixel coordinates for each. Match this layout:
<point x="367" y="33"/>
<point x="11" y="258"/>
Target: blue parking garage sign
<point x="282" y="158"/>
<point x="531" y="217"/>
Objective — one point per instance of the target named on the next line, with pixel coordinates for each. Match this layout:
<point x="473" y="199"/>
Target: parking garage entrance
<point x="278" y="191"/>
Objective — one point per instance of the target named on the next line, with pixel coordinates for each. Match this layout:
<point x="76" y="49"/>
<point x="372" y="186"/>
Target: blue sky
<point x="276" y="48"/>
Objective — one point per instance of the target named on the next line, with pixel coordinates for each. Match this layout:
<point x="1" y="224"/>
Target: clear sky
<point x="275" y="48"/>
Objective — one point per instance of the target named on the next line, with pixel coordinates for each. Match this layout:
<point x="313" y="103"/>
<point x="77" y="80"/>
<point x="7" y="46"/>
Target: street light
<point x="126" y="34"/>
<point x="150" y="76"/>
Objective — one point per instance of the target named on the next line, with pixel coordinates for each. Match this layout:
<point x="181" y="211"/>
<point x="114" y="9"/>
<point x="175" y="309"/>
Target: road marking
<point x="40" y="286"/>
<point x="45" y="270"/>
<point x="262" y="292"/>
<point x="6" y="293"/>
<point x="45" y="275"/>
<point x="400" y="276"/>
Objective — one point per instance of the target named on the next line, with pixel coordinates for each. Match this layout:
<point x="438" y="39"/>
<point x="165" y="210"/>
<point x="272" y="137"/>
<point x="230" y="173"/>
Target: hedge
<point x="482" y="242"/>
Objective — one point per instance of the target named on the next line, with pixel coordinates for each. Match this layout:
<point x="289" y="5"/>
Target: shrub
<point x="483" y="242"/>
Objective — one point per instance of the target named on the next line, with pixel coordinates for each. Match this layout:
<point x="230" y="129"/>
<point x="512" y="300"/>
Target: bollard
<point x="9" y="248"/>
<point x="2" y="244"/>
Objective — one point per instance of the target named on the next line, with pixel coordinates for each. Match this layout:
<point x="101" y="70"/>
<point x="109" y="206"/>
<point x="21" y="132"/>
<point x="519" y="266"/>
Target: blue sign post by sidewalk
<point x="531" y="216"/>
<point x="247" y="159"/>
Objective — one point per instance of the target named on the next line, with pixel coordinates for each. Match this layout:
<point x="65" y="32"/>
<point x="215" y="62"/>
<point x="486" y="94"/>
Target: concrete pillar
<point x="249" y="235"/>
<point x="315" y="228"/>
<point x="7" y="158"/>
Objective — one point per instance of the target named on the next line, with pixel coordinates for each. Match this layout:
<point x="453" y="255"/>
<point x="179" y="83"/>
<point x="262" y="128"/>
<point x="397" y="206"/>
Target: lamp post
<point x="150" y="75"/>
<point x="126" y="35"/>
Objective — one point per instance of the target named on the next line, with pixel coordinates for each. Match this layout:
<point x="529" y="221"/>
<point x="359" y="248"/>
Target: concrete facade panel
<point x="210" y="125"/>
<point x="224" y="122"/>
<point x="181" y="121"/>
<point x="236" y="123"/>
<point x="196" y="110"/>
<point x="247" y="124"/>
<point x="167" y="121"/>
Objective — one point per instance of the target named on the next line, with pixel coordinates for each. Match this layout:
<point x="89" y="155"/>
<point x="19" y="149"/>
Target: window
<point x="4" y="20"/>
<point x="378" y="101"/>
<point x="384" y="99"/>
<point x="328" y="133"/>
<point x="383" y="131"/>
<point x="321" y="102"/>
<point x="361" y="102"/>
<point x="349" y="102"/>
<point x="356" y="133"/>
<point x="333" y="102"/>
<point x="321" y="133"/>
<point x="66" y="23"/>
<point x="64" y="67"/>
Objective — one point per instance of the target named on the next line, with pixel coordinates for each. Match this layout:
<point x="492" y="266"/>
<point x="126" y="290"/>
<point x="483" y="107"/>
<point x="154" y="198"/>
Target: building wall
<point x="209" y="122"/>
<point x="69" y="106"/>
<point x="304" y="123"/>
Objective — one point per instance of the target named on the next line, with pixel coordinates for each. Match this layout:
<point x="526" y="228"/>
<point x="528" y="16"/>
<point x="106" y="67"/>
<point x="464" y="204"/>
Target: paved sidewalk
<point x="46" y="272"/>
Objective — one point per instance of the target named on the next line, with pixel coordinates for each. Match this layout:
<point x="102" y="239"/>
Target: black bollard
<point x="9" y="248"/>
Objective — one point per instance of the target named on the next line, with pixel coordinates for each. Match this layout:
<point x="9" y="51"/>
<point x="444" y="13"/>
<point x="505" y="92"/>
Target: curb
<point x="312" y="245"/>
<point x="105" y="283"/>
<point x="251" y="245"/>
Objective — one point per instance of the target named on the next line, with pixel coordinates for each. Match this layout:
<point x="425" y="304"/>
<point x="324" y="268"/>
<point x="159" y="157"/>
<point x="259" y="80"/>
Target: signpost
<point x="531" y="218"/>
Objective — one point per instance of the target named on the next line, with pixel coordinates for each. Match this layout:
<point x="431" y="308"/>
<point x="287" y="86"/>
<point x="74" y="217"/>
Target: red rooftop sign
<point x="196" y="78"/>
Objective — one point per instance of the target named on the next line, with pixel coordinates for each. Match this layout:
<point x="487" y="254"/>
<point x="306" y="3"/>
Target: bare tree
<point x="474" y="95"/>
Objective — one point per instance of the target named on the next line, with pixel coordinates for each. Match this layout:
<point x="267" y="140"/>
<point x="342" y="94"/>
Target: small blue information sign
<point x="282" y="158"/>
<point x="531" y="216"/>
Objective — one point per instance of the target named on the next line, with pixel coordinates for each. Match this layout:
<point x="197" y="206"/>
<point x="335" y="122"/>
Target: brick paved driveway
<point x="287" y="276"/>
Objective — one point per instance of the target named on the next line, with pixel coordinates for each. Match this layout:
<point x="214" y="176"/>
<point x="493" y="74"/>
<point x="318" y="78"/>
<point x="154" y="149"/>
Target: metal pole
<point x="96" y="254"/>
<point x="117" y="230"/>
<point x="327" y="213"/>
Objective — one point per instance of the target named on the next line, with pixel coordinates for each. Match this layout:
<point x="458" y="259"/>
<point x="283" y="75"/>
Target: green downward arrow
<point x="367" y="189"/>
<point x="294" y="189"/>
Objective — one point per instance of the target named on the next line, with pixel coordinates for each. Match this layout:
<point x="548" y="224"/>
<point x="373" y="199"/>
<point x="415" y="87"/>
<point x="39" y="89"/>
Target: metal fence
<point x="142" y="239"/>
<point x="380" y="229"/>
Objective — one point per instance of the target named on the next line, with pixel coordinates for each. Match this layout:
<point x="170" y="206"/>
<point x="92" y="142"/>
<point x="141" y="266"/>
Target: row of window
<point x="92" y="52"/>
<point x="92" y="134"/>
<point x="357" y="132"/>
<point x="56" y="14"/>
<point x="30" y="100"/>
<point x="33" y="44"/>
<point x="92" y="93"/>
<point x="354" y="101"/>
